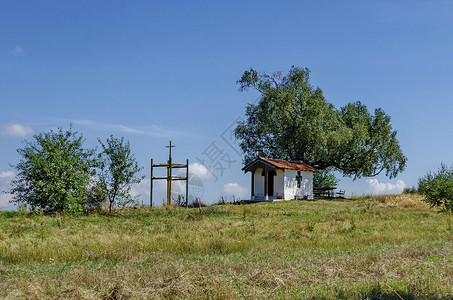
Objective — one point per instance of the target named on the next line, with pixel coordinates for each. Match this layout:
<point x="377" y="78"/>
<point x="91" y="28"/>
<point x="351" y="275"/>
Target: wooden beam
<point x="172" y="165"/>
<point x="187" y="183"/>
<point x="160" y="165"/>
<point x="178" y="177"/>
<point x="169" y="182"/>
<point x="178" y="165"/>
<point x="172" y="178"/>
<point x="266" y="183"/>
<point x="151" y="186"/>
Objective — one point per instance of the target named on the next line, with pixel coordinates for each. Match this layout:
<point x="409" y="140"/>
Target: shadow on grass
<point x="329" y="198"/>
<point x="248" y="202"/>
<point x="387" y="293"/>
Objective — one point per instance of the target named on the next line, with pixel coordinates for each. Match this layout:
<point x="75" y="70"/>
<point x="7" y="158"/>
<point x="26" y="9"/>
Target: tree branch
<point x="272" y="79"/>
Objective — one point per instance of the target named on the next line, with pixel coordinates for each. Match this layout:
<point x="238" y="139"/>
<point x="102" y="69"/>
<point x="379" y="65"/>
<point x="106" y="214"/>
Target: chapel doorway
<point x="270" y="183"/>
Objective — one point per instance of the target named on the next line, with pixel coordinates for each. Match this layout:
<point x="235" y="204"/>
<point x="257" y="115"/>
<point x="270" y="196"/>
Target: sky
<point x="155" y="71"/>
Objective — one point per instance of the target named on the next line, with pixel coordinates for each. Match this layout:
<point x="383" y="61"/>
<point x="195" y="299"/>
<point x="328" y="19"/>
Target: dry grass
<point x="401" y="200"/>
<point x="384" y="247"/>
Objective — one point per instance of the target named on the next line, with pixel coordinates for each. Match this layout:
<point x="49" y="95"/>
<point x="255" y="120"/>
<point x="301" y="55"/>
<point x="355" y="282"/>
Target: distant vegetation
<point x="385" y="247"/>
<point x="324" y="179"/>
<point x="438" y="187"/>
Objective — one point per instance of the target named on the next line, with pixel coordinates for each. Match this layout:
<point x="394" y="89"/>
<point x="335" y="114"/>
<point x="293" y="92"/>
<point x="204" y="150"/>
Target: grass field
<point x="386" y="247"/>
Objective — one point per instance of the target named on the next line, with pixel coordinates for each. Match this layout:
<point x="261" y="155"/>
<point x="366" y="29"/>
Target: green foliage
<point x="293" y="121"/>
<point x="118" y="169"/>
<point x="438" y="187"/>
<point x="54" y="172"/>
<point x="324" y="179"/>
<point x="57" y="174"/>
<point x="410" y="190"/>
<point x="197" y="203"/>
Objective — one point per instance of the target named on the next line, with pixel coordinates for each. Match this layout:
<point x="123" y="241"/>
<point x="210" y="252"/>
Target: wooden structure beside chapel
<point x="170" y="177"/>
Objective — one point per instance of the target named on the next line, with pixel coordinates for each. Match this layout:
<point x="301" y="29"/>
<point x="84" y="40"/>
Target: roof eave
<point x="259" y="159"/>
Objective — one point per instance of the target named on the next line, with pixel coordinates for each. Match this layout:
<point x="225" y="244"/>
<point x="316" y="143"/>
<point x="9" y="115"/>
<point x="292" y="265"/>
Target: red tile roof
<point x="283" y="164"/>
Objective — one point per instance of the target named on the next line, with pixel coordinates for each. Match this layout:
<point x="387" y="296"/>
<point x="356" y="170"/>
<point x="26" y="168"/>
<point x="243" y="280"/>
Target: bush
<point x="438" y="187"/>
<point x="410" y="190"/>
<point x="197" y="203"/>
<point x="54" y="172"/>
<point x="117" y="171"/>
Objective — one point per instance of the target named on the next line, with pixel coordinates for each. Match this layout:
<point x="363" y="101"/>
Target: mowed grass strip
<point x="383" y="247"/>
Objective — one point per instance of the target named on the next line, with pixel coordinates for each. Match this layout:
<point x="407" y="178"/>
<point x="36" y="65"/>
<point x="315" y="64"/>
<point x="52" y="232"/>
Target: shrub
<point x="410" y="190"/>
<point x="197" y="203"/>
<point x="53" y="172"/>
<point x="438" y="187"/>
<point x="118" y="169"/>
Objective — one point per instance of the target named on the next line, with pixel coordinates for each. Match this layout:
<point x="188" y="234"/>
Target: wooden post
<point x="151" y="186"/>
<point x="187" y="183"/>
<point x="169" y="182"/>
<point x="266" y="183"/>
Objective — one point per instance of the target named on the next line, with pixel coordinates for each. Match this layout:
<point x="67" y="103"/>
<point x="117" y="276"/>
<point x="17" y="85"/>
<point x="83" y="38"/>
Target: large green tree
<point x="292" y="120"/>
<point x="118" y="169"/>
<point x="54" y="172"/>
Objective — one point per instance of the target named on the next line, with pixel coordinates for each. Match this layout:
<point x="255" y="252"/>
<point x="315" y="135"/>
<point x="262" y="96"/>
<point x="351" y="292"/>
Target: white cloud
<point x="5" y="180"/>
<point x="17" y="130"/>
<point x="4" y="201"/>
<point x="141" y="188"/>
<point x="376" y="187"/>
<point x="150" y="130"/>
<point x="200" y="170"/>
<point x="7" y="174"/>
<point x="235" y="189"/>
<point x="159" y="191"/>
<point x="18" y="49"/>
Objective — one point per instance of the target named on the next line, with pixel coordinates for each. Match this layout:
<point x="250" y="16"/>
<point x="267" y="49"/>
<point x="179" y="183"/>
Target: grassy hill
<point x="386" y="247"/>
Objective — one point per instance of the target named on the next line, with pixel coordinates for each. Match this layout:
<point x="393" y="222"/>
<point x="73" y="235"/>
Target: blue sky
<point x="158" y="70"/>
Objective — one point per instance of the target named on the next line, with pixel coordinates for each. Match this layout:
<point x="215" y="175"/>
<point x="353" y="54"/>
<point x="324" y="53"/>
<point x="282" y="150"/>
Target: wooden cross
<point x="170" y="146"/>
<point x="299" y="179"/>
<point x="169" y="174"/>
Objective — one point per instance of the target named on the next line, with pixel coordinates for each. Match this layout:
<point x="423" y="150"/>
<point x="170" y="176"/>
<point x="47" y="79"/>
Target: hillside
<point x="387" y="247"/>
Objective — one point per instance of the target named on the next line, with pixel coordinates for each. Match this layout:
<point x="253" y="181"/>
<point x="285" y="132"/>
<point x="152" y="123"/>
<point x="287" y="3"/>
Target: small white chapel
<point x="274" y="179"/>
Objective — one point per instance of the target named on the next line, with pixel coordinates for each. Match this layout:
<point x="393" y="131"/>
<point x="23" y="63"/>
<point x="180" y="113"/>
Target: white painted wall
<point x="279" y="183"/>
<point x="290" y="183"/>
<point x="308" y="184"/>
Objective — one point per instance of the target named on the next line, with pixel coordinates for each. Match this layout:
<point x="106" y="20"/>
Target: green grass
<point x="387" y="247"/>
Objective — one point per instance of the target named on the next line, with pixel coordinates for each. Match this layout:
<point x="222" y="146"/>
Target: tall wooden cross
<point x="170" y="165"/>
<point x="170" y="146"/>
<point x="169" y="174"/>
